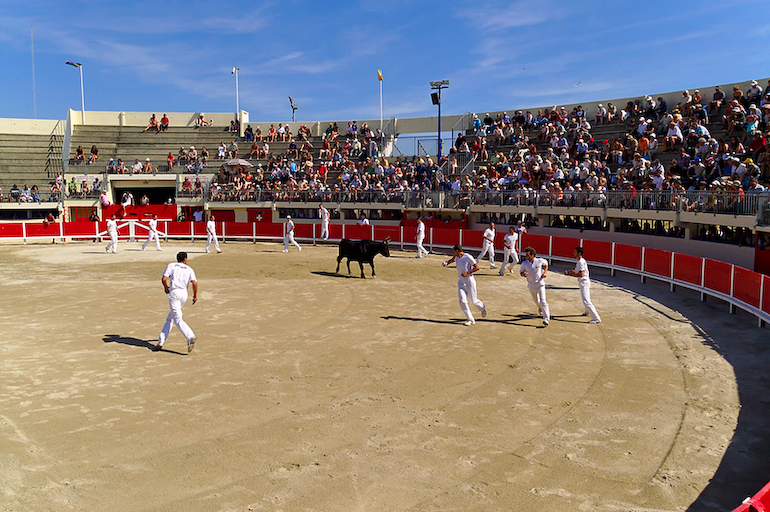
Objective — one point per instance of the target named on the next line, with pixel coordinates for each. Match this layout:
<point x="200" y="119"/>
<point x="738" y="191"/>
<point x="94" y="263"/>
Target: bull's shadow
<point x="335" y="274"/>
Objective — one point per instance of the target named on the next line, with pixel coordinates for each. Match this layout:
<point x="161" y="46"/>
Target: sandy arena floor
<point x="313" y="391"/>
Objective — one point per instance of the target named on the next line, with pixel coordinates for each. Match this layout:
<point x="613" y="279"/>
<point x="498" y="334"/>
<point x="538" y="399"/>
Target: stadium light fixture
<point x="294" y="108"/>
<point x="237" y="94"/>
<point x="82" y="95"/>
<point x="436" y="99"/>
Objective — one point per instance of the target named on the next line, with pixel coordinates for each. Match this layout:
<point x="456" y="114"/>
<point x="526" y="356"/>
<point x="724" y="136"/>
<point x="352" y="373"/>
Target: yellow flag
<point x="379" y="74"/>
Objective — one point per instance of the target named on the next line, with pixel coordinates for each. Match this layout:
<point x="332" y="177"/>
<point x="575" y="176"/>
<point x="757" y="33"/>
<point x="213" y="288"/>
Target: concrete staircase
<point x="30" y="159"/>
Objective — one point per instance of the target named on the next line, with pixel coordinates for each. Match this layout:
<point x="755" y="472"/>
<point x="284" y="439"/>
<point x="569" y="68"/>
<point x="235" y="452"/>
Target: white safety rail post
<point x="131" y="231"/>
<point x="761" y="299"/>
<point x="192" y="231"/>
<point x="461" y="238"/>
<point x="314" y="234"/>
<point x="223" y="230"/>
<point x="254" y="231"/>
<point x="343" y="230"/>
<point x="612" y="260"/>
<point x="732" y="288"/>
<point x="550" y="250"/>
<point x="643" y="277"/>
<point x="372" y="226"/>
<point x="432" y="249"/>
<point x="61" y="232"/>
<point x="671" y="273"/>
<point x="402" y="238"/>
<point x="703" y="280"/>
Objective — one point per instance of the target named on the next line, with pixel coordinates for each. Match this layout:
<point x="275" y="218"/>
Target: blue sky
<point x="173" y="56"/>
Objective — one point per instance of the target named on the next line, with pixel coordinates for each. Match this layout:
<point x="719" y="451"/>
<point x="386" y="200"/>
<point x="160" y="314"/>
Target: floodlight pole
<point x="437" y="86"/>
<point x="82" y="95"/>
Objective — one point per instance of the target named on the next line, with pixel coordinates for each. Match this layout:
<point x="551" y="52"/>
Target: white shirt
<point x="324" y="214"/>
<point x="154" y="225"/>
<point x="211" y="227"/>
<point x="582" y="266"/>
<point x="180" y="275"/>
<point x="112" y="227"/>
<point x="420" y="228"/>
<point x="363" y="222"/>
<point x="489" y="234"/>
<point x="464" y="264"/>
<point x="289" y="226"/>
<point x="534" y="270"/>
<point x="510" y="240"/>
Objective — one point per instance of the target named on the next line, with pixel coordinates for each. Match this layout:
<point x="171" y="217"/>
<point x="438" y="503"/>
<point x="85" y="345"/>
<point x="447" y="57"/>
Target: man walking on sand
<point x="584" y="281"/>
<point x="535" y="270"/>
<point x="152" y="233"/>
<point x="489" y="245"/>
<point x="211" y="234"/>
<point x="176" y="278"/>
<point x="466" y="283"/>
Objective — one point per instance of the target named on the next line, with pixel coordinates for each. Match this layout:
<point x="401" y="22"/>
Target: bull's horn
<point x="388" y="239"/>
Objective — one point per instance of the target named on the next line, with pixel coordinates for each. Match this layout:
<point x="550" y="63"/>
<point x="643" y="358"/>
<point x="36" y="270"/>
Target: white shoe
<point x="285" y="250"/>
<point x="299" y="249"/>
<point x="219" y="250"/>
<point x="545" y="323"/>
<point x="501" y="273"/>
<point x="207" y="251"/>
<point x="585" y="313"/>
<point x="191" y="344"/>
<point x="484" y="312"/>
<point x="418" y="256"/>
<point x="594" y="321"/>
<point x="493" y="266"/>
<point x="142" y="248"/>
<point x="470" y="322"/>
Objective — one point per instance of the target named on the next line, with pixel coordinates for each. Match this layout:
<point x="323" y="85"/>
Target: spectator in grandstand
<point x="204" y="155"/>
<point x="147" y="166"/>
<point x="26" y="195"/>
<point x="673" y="136"/>
<point x="232" y="149"/>
<point x="120" y="167"/>
<point x="248" y="134"/>
<point x="144" y="201"/>
<point x="221" y="151"/>
<point x="717" y="100"/>
<point x="111" y="166"/>
<point x="80" y="155"/>
<point x="136" y="167"/>
<point x="14" y="194"/>
<point x="164" y="123"/>
<point x="126" y="201"/>
<point x="103" y="200"/>
<point x="94" y="156"/>
<point x="170" y="160"/>
<point x="601" y="115"/>
<point x="153" y="124"/>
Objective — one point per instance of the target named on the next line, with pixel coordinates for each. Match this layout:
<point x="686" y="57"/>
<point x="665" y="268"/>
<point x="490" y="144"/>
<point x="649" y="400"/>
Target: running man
<point x="211" y="234"/>
<point x="152" y="233"/>
<point x="511" y="250"/>
<point x="584" y="281"/>
<point x="489" y="245"/>
<point x="535" y="270"/>
<point x="420" y="237"/>
<point x="288" y="236"/>
<point x="466" y="283"/>
<point x="323" y="214"/>
<point x="112" y="230"/>
<point x="176" y="278"/>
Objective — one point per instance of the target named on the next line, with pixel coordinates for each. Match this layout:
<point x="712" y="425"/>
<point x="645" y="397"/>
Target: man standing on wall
<point x="584" y="281"/>
<point x="535" y="270"/>
<point x="175" y="279"/>
<point x="489" y="245"/>
<point x="466" y="283"/>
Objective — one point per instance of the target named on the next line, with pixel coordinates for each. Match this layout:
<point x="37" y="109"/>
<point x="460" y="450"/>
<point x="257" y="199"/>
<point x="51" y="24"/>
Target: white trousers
<point x="212" y="238"/>
<point x="288" y="238"/>
<point x="585" y="294"/>
<point x="509" y="254"/>
<point x="113" y="243"/>
<point x="176" y="299"/>
<point x="152" y="236"/>
<point x="420" y="248"/>
<point x="537" y="290"/>
<point x="466" y="292"/>
<point x="324" y="230"/>
<point x="488" y="248"/>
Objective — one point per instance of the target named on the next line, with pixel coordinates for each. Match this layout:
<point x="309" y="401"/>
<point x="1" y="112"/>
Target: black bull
<point x="362" y="251"/>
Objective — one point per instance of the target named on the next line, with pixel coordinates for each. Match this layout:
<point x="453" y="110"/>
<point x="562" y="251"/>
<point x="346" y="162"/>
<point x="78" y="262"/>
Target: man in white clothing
<point x="211" y="234"/>
<point x="288" y="236"/>
<point x="466" y="283"/>
<point x="584" y="281"/>
<point x="420" y="237"/>
<point x="489" y="245"/>
<point x="112" y="230"/>
<point x="535" y="270"/>
<point x="152" y="233"/>
<point x="323" y="214"/>
<point x="175" y="279"/>
<point x="510" y="250"/>
<point x="362" y="220"/>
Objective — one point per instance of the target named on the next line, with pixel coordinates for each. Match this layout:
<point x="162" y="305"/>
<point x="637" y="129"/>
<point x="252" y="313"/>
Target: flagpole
<point x="380" y="105"/>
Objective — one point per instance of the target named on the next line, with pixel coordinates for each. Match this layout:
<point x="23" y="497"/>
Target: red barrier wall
<point x="657" y="262"/>
<point x="473" y="238"/>
<point x="356" y="232"/>
<point x="11" y="230"/>
<point x="747" y="286"/>
<point x="600" y="252"/>
<point x="444" y="236"/>
<point x="537" y="242"/>
<point x="564" y="247"/>
<point x="394" y="232"/>
<point x="304" y="230"/>
<point x="39" y="229"/>
<point x="628" y="256"/>
<point x="270" y="229"/>
<point x="717" y="276"/>
<point x="688" y="268"/>
<point x="238" y="229"/>
<point x="82" y="228"/>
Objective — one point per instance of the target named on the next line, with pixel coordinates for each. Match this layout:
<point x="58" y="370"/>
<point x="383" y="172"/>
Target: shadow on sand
<point x="136" y="342"/>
